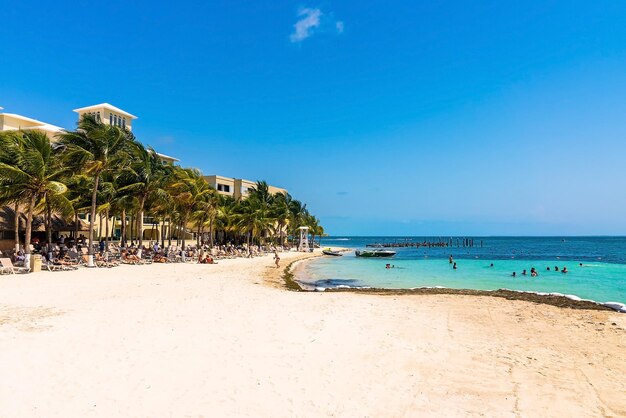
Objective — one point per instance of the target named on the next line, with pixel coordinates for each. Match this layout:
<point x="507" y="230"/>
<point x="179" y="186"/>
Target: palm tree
<point x="253" y="220"/>
<point x="188" y="189"/>
<point x="280" y="212"/>
<point x="96" y="148"/>
<point x="145" y="177"/>
<point x="30" y="170"/>
<point x="9" y="195"/>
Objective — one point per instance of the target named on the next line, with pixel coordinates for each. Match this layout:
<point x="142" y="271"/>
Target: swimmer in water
<point x="450" y="259"/>
<point x="548" y="268"/>
<point x="454" y="266"/>
<point x="564" y="270"/>
<point x="556" y="268"/>
<point x="524" y="272"/>
<point x="491" y="265"/>
<point x="514" y="275"/>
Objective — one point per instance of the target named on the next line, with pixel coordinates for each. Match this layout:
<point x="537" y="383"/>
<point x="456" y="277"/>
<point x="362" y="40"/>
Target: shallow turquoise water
<point x="596" y="280"/>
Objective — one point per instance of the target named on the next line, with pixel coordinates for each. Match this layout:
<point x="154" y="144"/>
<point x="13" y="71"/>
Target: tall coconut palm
<point x="145" y="177"/>
<point x="188" y="189"/>
<point x="30" y="170"/>
<point x="253" y="219"/>
<point x="95" y="148"/>
<point x="8" y="194"/>
<point x="281" y="214"/>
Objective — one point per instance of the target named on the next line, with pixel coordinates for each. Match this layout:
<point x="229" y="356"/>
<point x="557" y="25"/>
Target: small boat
<point x="377" y="253"/>
<point x="331" y="252"/>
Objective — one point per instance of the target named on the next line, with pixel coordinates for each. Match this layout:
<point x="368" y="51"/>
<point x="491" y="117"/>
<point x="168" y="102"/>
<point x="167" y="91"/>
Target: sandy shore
<point x="227" y="340"/>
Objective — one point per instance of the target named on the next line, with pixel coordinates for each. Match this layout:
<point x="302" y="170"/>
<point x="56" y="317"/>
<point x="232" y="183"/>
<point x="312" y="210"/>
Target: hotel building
<point x="111" y="115"/>
<point x="236" y="188"/>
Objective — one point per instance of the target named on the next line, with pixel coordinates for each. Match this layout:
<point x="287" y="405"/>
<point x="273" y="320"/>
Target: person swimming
<point x="514" y="275"/>
<point x="491" y="265"/>
<point x="454" y="266"/>
<point x="450" y="259"/>
<point x="548" y="268"/>
<point x="524" y="272"/>
<point x="556" y="268"/>
<point x="564" y="270"/>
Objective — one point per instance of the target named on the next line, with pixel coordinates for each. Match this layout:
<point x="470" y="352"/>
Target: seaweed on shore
<point x="290" y="283"/>
<point x="559" y="301"/>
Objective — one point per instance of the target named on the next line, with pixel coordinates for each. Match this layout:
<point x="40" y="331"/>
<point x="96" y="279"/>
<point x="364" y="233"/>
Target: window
<point x="124" y="123"/>
<point x="98" y="117"/>
<point x="110" y="119"/>
<point x="223" y="188"/>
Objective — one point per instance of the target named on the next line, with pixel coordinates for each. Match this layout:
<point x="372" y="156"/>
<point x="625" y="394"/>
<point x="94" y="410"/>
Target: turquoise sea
<point x="602" y="276"/>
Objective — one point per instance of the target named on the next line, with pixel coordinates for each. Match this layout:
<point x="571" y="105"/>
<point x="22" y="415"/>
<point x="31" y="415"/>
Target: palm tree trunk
<point x="169" y="231"/>
<point x="48" y="226"/>
<point x="100" y="227"/>
<point x="132" y="228"/>
<point x="182" y="228"/>
<point x="142" y="202"/>
<point x="75" y="227"/>
<point x="123" y="229"/>
<point x="17" y="226"/>
<point x="29" y="228"/>
<point x="107" y="229"/>
<point x="211" y="233"/>
<point x="92" y="220"/>
<point x="163" y="233"/>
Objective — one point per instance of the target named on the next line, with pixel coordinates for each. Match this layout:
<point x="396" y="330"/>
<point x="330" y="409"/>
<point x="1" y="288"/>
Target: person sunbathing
<point x="159" y="258"/>
<point x="129" y="257"/>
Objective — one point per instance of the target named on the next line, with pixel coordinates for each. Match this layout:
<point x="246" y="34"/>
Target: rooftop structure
<point x="236" y="188"/>
<point x="109" y="114"/>
<point x="104" y="112"/>
<point x="14" y="122"/>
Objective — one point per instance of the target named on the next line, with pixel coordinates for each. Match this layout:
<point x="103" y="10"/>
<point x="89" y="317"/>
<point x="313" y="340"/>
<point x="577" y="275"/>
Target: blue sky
<point x="391" y="117"/>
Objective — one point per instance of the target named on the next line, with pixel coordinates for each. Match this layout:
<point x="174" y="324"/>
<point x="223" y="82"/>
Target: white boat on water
<point x="375" y="253"/>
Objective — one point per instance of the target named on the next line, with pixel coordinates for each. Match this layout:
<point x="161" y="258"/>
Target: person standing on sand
<point x="276" y="259"/>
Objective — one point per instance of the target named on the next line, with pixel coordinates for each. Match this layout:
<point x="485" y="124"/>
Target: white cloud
<point x="339" y="26"/>
<point x="310" y="19"/>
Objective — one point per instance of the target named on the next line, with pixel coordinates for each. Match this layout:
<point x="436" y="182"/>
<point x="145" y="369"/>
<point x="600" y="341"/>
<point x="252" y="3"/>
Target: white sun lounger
<point x="7" y="265"/>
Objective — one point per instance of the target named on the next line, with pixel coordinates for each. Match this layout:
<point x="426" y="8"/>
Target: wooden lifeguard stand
<point x="304" y="239"/>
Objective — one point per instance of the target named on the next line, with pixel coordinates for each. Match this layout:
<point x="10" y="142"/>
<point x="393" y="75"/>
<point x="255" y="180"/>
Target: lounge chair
<point x="8" y="266"/>
<point x="52" y="266"/>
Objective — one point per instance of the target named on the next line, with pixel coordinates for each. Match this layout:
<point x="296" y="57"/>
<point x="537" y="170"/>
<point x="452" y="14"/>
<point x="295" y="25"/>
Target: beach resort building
<point x="236" y="188"/>
<point x="104" y="112"/>
<point x="112" y="115"/>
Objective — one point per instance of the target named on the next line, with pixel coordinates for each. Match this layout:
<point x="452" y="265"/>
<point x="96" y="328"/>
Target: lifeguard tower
<point x="304" y="239"/>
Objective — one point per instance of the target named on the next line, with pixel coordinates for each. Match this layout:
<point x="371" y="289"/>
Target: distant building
<point x="110" y="115"/>
<point x="236" y="188"/>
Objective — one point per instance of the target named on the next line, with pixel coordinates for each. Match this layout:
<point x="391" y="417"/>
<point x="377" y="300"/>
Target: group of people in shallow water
<point x="533" y="271"/>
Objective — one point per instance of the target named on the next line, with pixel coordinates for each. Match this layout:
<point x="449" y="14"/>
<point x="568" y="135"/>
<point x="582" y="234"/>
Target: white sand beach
<point x="189" y="340"/>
